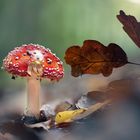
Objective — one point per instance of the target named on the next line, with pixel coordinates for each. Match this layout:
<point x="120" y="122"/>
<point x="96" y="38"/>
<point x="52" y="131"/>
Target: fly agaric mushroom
<point x="34" y="62"/>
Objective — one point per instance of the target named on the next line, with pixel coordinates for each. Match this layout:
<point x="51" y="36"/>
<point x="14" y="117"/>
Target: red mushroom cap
<point x="18" y="61"/>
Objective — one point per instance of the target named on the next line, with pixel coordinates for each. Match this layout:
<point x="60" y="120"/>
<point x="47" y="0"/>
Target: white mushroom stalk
<point x="33" y="89"/>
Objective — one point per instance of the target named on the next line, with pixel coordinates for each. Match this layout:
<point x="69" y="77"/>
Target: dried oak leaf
<point x="95" y="58"/>
<point x="121" y="89"/>
<point x="98" y="96"/>
<point x="131" y="26"/>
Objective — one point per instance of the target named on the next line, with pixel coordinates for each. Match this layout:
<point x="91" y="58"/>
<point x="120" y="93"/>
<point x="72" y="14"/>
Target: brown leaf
<point x="131" y="26"/>
<point x="98" y="96"/>
<point x="95" y="58"/>
<point x="120" y="89"/>
<point x="115" y="90"/>
<point x="122" y="84"/>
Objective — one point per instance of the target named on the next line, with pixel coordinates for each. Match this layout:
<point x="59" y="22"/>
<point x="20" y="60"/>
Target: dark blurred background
<point x="58" y="24"/>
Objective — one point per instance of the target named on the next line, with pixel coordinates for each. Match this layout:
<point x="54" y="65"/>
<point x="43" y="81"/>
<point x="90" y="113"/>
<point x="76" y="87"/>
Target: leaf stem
<point x="134" y="63"/>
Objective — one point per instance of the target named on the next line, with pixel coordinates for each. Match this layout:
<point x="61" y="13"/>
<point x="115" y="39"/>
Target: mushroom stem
<point x="33" y="96"/>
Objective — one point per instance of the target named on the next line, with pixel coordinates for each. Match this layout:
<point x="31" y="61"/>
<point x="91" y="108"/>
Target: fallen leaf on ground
<point x="44" y="125"/>
<point x="70" y="116"/>
<point x="98" y="96"/>
<point x="120" y="89"/>
<point x="91" y="109"/>
<point x="67" y="116"/>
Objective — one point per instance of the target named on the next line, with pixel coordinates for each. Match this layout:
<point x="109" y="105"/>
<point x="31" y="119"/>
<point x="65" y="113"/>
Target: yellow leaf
<point x="67" y="116"/>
